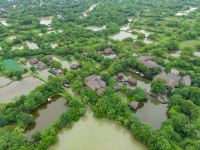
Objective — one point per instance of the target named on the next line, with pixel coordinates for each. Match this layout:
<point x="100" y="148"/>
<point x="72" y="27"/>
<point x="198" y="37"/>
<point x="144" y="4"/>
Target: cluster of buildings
<point x="55" y="71"/>
<point x="108" y="51"/>
<point x="85" y="54"/>
<point x="134" y="105"/>
<point x="95" y="82"/>
<point x="148" y="62"/>
<point x="174" y="79"/>
<point x="35" y="62"/>
<point x="127" y="80"/>
<point x="75" y="66"/>
<point x="40" y="65"/>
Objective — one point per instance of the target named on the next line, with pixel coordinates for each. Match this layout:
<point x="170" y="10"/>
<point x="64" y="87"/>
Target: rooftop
<point x="134" y="104"/>
<point x="108" y="51"/>
<point x="186" y="80"/>
<point x="41" y="65"/>
<point x="33" y="61"/>
<point x="94" y="82"/>
<point x="148" y="62"/>
<point x="74" y="66"/>
<point x="172" y="79"/>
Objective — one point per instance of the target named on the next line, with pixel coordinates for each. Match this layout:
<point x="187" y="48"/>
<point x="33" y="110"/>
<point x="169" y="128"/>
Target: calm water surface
<point x="47" y="115"/>
<point x="152" y="113"/>
<point x="94" y="134"/>
<point x="18" y="88"/>
<point x="122" y="35"/>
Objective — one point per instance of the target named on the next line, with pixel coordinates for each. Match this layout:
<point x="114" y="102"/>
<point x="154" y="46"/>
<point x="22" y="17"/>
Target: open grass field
<point x="189" y="43"/>
<point x="11" y="65"/>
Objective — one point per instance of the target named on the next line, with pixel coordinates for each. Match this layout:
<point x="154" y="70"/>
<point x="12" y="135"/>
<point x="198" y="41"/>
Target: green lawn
<point x="11" y="65"/>
<point x="189" y="43"/>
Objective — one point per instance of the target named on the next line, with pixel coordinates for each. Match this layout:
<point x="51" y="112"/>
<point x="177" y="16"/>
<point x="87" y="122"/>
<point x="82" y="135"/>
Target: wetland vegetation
<point x="127" y="74"/>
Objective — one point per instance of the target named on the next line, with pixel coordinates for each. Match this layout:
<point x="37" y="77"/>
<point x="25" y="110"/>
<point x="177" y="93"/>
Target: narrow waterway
<point x="47" y="115"/>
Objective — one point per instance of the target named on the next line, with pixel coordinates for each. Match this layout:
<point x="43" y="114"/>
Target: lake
<point x="152" y="113"/>
<point x="18" y="88"/>
<point x="122" y="35"/>
<point x="47" y="115"/>
<point x="96" y="134"/>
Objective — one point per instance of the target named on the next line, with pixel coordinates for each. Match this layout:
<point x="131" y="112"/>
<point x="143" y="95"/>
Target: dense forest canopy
<point x="134" y="49"/>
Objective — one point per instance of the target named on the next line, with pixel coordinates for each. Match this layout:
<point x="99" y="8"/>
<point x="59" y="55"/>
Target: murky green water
<point x="94" y="134"/>
<point x="152" y="113"/>
<point x="47" y="115"/>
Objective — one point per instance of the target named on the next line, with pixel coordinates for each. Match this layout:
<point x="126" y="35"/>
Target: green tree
<point x="158" y="86"/>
